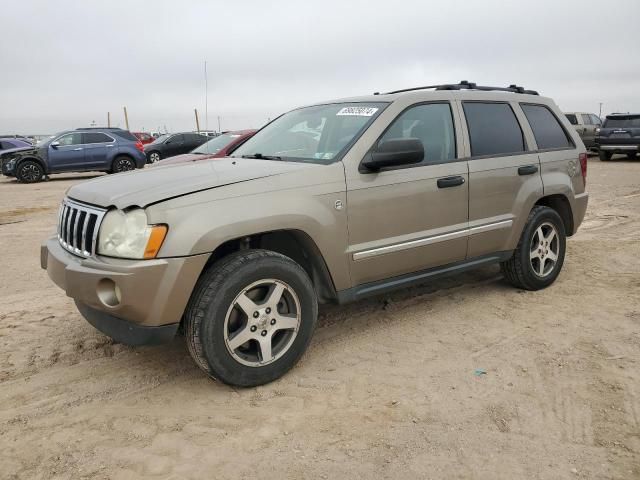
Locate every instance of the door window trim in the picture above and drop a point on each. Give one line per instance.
(364, 170)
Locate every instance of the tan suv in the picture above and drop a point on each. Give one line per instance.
(327, 203)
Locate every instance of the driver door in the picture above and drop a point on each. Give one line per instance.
(413, 217)
(67, 153)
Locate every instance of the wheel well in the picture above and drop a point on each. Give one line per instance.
(560, 204)
(294, 244)
(33, 159)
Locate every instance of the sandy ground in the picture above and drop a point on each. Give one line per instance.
(387, 389)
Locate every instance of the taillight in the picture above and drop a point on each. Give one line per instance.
(583, 167)
(140, 146)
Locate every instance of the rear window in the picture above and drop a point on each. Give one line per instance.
(546, 128)
(493, 128)
(127, 135)
(573, 120)
(631, 121)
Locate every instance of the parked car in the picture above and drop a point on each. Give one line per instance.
(218, 147)
(172, 144)
(144, 137)
(208, 133)
(620, 133)
(17, 137)
(400, 188)
(586, 125)
(82, 150)
(12, 144)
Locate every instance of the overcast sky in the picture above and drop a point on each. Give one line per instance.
(66, 63)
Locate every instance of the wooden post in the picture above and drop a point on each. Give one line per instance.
(197, 121)
(126, 117)
(108, 119)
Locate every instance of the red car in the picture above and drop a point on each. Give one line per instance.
(217, 147)
(144, 137)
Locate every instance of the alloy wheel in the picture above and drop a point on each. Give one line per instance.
(30, 173)
(262, 322)
(544, 250)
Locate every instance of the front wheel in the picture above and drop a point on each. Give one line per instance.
(251, 317)
(539, 256)
(29, 171)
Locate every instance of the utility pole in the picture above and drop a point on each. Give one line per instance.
(600, 113)
(197, 121)
(219, 129)
(109, 119)
(126, 117)
(206, 98)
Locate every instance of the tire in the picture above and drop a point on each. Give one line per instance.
(604, 155)
(524, 271)
(632, 155)
(122, 164)
(153, 157)
(214, 318)
(29, 171)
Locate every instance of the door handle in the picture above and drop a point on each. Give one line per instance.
(447, 182)
(528, 170)
(77, 149)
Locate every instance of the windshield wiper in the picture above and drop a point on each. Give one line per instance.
(260, 156)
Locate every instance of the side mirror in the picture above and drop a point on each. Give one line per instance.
(55, 144)
(395, 152)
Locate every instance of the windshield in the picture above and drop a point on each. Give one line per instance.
(216, 144)
(622, 122)
(317, 134)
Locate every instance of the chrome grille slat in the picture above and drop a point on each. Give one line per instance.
(78, 218)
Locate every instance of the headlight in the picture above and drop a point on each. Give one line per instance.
(127, 235)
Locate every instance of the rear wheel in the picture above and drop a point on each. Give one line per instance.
(539, 256)
(154, 157)
(604, 155)
(122, 164)
(251, 317)
(29, 171)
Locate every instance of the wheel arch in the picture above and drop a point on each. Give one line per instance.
(292, 243)
(560, 203)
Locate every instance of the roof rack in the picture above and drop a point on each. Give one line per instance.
(98, 128)
(465, 85)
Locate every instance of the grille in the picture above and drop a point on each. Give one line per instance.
(78, 226)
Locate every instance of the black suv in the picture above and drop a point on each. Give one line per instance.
(620, 133)
(172, 144)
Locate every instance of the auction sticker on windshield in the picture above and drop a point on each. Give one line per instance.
(358, 111)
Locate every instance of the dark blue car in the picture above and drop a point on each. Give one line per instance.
(83, 150)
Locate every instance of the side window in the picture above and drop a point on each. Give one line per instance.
(573, 120)
(179, 138)
(430, 123)
(96, 137)
(70, 139)
(596, 120)
(586, 119)
(493, 128)
(546, 128)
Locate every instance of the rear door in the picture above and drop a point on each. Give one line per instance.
(410, 218)
(504, 175)
(96, 147)
(67, 154)
(174, 145)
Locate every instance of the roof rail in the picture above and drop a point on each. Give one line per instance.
(98, 128)
(465, 85)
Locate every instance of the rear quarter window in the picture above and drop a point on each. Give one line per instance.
(573, 120)
(493, 129)
(125, 134)
(547, 130)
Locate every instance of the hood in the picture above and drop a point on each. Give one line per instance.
(185, 158)
(151, 185)
(4, 153)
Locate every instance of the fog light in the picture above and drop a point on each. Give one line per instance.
(108, 292)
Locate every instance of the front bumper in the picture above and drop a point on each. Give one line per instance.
(133, 301)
